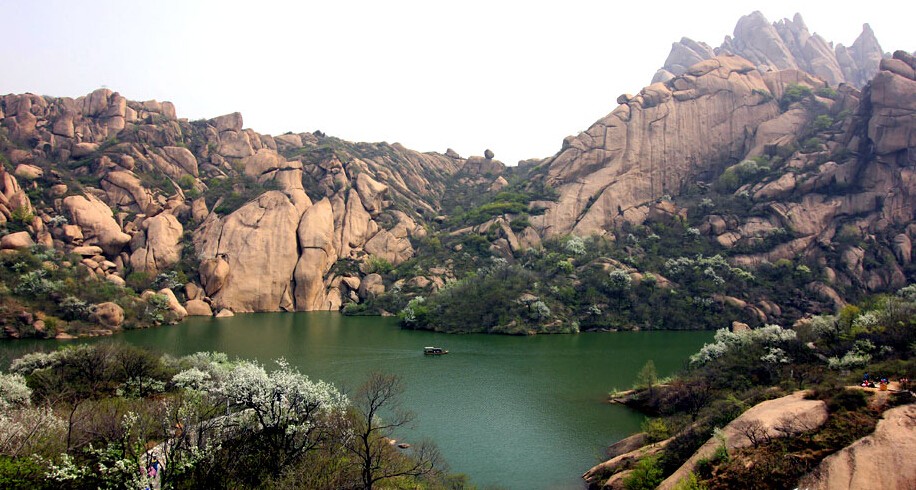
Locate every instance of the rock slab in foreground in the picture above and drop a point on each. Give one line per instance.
(882, 460)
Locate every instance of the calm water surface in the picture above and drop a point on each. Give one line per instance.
(518, 412)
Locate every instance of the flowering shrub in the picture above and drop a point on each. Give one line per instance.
(770, 336)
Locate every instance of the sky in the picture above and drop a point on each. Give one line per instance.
(514, 77)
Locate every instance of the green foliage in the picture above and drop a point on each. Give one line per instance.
(20, 219)
(690, 482)
(656, 429)
(826, 92)
(22, 473)
(647, 376)
(812, 144)
(764, 94)
(823, 122)
(235, 191)
(646, 475)
(186, 182)
(741, 173)
(378, 265)
(793, 93)
(519, 223)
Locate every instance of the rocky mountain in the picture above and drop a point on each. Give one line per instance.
(782, 45)
(750, 150)
(838, 166)
(130, 185)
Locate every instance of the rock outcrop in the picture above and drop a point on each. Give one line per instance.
(258, 242)
(781, 417)
(653, 144)
(880, 460)
(97, 223)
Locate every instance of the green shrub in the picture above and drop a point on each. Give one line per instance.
(823, 122)
(378, 265)
(691, 482)
(186, 182)
(646, 475)
(656, 429)
(826, 92)
(811, 145)
(848, 400)
(793, 93)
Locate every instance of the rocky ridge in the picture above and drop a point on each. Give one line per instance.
(135, 189)
(783, 45)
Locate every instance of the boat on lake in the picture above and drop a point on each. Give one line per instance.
(434, 351)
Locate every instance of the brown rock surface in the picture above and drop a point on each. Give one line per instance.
(97, 223)
(213, 274)
(162, 248)
(782, 45)
(880, 460)
(317, 255)
(108, 314)
(655, 144)
(258, 242)
(371, 285)
(196, 307)
(775, 418)
(19, 240)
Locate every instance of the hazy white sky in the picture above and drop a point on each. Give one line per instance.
(515, 77)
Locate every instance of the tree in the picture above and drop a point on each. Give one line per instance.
(369, 443)
(284, 414)
(647, 376)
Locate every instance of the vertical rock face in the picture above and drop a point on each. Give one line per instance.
(893, 124)
(653, 144)
(317, 255)
(258, 242)
(786, 44)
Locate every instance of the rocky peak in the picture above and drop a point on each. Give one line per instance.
(785, 44)
(860, 61)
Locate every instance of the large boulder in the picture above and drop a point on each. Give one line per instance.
(19, 240)
(125, 189)
(771, 419)
(162, 247)
(213, 274)
(183, 158)
(97, 222)
(107, 314)
(174, 304)
(196, 307)
(893, 124)
(371, 286)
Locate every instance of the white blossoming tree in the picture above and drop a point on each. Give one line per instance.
(283, 414)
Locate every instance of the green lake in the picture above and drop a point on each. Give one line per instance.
(518, 412)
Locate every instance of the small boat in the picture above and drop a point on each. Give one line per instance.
(434, 351)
